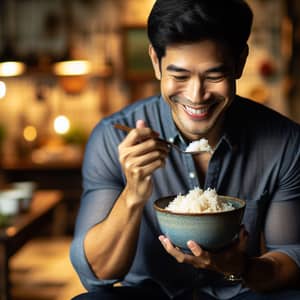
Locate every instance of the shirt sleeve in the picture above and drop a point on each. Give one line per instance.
(282, 230)
(102, 184)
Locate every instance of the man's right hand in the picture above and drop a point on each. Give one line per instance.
(140, 154)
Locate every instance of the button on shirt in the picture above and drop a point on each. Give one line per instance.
(256, 159)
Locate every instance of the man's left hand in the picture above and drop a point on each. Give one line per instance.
(231, 260)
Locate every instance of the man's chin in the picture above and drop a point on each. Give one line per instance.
(198, 127)
(196, 133)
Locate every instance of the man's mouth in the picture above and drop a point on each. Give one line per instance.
(196, 112)
(200, 112)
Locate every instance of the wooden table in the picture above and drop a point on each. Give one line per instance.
(63, 176)
(22, 228)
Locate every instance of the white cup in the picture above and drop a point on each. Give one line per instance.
(26, 189)
(10, 202)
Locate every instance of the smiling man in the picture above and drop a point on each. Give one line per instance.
(198, 82)
(198, 49)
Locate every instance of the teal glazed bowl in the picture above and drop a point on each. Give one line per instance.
(212, 230)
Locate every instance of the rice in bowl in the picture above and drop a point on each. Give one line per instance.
(199, 201)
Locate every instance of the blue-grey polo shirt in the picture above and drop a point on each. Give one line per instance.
(256, 159)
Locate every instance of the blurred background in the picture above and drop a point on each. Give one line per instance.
(77, 62)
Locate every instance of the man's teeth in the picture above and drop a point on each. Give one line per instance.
(194, 111)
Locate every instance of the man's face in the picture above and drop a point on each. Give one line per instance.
(198, 82)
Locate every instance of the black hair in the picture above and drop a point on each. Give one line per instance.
(186, 21)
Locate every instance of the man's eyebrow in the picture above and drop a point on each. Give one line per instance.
(175, 68)
(220, 68)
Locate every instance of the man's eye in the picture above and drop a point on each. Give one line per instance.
(215, 78)
(180, 78)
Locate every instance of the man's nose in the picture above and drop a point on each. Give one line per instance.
(196, 90)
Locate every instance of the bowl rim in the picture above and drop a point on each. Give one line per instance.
(163, 210)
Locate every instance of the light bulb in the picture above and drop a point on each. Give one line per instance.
(61, 124)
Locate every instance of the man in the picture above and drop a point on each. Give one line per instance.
(198, 49)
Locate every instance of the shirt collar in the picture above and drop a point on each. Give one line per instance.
(232, 126)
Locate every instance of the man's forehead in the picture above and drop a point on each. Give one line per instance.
(200, 48)
(180, 63)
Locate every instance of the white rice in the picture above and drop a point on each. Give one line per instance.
(199, 201)
(201, 145)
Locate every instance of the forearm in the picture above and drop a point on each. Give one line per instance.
(110, 245)
(272, 271)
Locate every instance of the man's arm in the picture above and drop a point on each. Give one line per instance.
(110, 245)
(271, 271)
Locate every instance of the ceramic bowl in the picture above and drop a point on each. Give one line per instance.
(213, 230)
(9, 202)
(26, 190)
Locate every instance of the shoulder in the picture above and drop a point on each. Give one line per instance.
(152, 110)
(262, 131)
(255, 116)
(141, 109)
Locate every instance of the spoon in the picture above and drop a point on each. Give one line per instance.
(170, 144)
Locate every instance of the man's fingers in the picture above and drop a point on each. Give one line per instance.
(200, 258)
(174, 251)
(140, 124)
(195, 248)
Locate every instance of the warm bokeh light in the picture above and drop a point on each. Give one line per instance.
(11, 230)
(2, 89)
(30, 133)
(61, 124)
(11, 68)
(72, 68)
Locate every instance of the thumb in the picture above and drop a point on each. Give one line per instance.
(140, 124)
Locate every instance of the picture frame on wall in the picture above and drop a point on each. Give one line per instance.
(136, 61)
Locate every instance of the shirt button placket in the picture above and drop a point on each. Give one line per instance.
(192, 172)
(193, 180)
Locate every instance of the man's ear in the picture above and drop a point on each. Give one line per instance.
(155, 62)
(241, 62)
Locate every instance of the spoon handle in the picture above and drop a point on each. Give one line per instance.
(123, 127)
